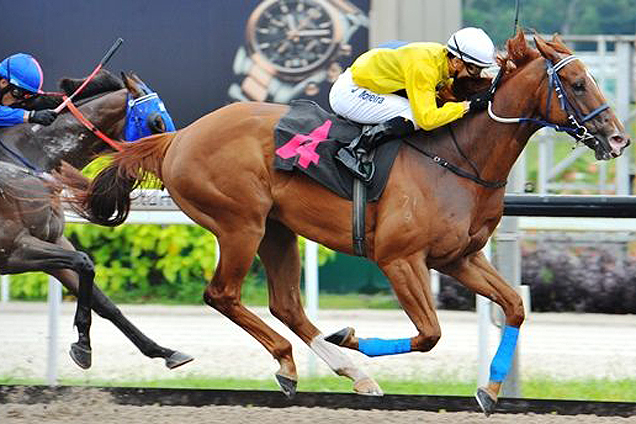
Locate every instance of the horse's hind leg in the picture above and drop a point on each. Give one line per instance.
(476, 273)
(105, 308)
(223, 293)
(409, 278)
(32, 254)
(279, 253)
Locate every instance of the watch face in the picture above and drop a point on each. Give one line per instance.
(294, 37)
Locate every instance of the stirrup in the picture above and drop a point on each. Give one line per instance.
(362, 171)
(347, 157)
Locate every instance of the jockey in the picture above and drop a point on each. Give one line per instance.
(20, 79)
(365, 92)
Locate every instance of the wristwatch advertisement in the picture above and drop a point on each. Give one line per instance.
(293, 46)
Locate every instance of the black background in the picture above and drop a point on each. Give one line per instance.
(183, 49)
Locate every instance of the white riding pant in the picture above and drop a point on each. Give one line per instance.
(364, 106)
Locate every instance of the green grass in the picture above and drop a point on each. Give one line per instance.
(539, 388)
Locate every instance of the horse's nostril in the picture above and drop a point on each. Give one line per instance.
(618, 140)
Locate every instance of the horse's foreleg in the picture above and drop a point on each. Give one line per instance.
(477, 274)
(105, 308)
(223, 293)
(32, 254)
(409, 278)
(279, 253)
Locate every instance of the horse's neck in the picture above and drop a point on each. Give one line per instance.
(493, 147)
(69, 140)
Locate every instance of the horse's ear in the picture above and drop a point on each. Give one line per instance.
(517, 48)
(545, 49)
(136, 78)
(131, 86)
(520, 37)
(556, 38)
(124, 78)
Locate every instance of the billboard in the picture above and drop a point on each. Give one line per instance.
(197, 54)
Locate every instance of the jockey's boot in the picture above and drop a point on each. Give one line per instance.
(370, 138)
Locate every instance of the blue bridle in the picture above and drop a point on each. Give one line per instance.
(139, 110)
(577, 129)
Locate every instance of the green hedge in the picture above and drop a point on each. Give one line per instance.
(165, 263)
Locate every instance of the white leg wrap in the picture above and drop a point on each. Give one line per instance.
(340, 363)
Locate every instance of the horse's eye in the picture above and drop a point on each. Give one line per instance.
(579, 87)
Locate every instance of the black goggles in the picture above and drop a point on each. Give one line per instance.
(20, 93)
(472, 69)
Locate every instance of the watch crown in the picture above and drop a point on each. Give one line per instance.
(345, 50)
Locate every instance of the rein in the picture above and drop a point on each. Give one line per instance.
(82, 119)
(577, 120)
(88, 124)
(455, 169)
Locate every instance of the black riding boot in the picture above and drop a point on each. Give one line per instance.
(370, 138)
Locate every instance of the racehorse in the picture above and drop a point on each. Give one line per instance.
(437, 211)
(31, 214)
(102, 102)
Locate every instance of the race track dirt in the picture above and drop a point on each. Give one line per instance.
(97, 407)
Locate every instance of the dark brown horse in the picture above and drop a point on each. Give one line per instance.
(219, 170)
(31, 214)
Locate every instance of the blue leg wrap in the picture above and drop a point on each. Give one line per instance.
(502, 361)
(381, 347)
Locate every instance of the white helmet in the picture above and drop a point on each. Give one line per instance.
(472, 45)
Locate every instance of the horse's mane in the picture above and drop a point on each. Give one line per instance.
(519, 53)
(103, 82)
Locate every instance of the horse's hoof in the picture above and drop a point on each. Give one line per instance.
(339, 338)
(177, 359)
(367, 387)
(486, 400)
(287, 385)
(81, 356)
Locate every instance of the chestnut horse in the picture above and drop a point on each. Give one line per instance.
(219, 170)
(31, 214)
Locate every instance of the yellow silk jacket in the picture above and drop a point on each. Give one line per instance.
(421, 69)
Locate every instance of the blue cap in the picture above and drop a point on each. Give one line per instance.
(22, 70)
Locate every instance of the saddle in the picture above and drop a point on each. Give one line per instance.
(307, 139)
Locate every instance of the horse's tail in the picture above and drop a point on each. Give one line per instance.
(106, 201)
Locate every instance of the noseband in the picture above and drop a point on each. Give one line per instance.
(577, 129)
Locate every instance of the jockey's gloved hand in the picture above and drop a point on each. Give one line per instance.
(42, 117)
(479, 101)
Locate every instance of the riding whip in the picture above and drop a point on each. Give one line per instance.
(99, 66)
(495, 82)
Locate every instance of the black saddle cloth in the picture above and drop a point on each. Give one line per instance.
(307, 139)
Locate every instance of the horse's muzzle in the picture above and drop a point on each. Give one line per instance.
(608, 147)
(618, 142)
